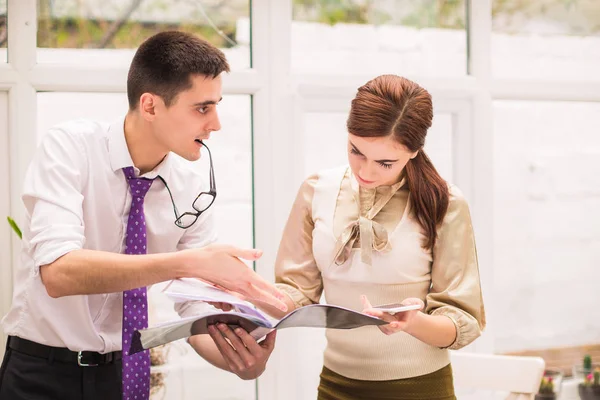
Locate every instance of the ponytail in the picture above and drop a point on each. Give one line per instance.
(429, 196)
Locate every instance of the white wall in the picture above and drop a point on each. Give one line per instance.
(547, 223)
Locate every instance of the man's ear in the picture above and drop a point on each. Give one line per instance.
(148, 103)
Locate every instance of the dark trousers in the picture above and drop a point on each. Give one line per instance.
(25, 377)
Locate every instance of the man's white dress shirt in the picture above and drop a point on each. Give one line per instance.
(76, 197)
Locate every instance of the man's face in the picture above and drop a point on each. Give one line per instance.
(190, 119)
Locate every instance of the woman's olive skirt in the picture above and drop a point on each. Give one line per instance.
(437, 385)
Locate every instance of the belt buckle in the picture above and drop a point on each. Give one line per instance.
(82, 364)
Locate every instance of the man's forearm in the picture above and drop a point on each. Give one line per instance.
(93, 272)
(83, 272)
(207, 349)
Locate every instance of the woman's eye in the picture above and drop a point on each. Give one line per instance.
(386, 165)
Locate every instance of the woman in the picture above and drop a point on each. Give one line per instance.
(387, 229)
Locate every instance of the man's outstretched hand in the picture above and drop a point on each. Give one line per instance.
(221, 266)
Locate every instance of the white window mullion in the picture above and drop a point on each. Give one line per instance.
(272, 117)
(22, 25)
(462, 140)
(480, 38)
(482, 174)
(509, 89)
(8, 77)
(347, 85)
(7, 237)
(90, 78)
(78, 78)
(22, 28)
(321, 93)
(274, 188)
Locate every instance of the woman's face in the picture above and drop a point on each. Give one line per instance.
(377, 161)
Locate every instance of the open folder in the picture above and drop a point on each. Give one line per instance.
(244, 315)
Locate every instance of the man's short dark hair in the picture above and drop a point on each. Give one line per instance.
(164, 63)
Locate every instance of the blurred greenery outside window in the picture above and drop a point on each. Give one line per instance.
(546, 17)
(449, 14)
(569, 17)
(125, 24)
(3, 30)
(546, 40)
(121, 24)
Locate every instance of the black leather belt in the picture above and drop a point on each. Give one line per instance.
(82, 358)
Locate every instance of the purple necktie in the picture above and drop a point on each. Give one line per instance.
(136, 367)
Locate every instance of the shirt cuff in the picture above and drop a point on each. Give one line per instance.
(467, 327)
(297, 297)
(192, 308)
(46, 255)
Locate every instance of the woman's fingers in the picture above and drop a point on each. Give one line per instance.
(380, 314)
(369, 310)
(365, 302)
(413, 300)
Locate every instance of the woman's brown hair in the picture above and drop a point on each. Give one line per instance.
(393, 105)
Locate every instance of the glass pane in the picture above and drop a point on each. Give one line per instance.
(186, 373)
(546, 230)
(408, 37)
(124, 25)
(325, 137)
(3, 31)
(546, 39)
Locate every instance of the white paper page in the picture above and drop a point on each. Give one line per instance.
(186, 289)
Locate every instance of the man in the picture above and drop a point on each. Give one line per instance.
(103, 223)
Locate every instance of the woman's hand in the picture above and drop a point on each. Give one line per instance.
(399, 322)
